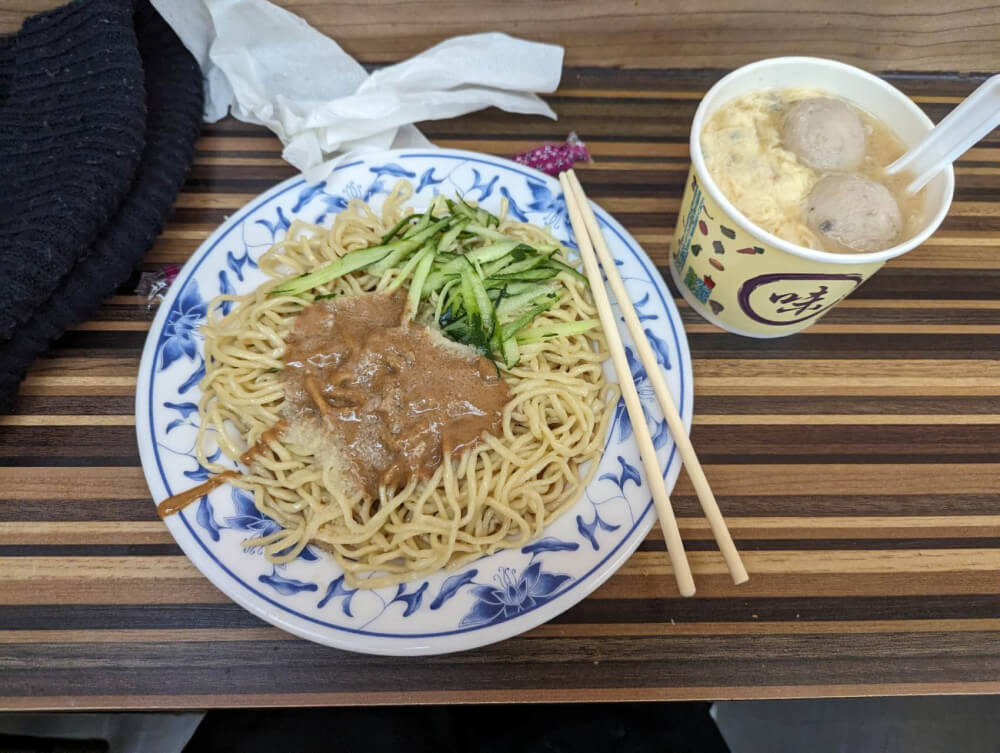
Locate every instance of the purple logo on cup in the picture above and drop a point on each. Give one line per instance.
(781, 299)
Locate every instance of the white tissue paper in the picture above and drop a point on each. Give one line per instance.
(268, 66)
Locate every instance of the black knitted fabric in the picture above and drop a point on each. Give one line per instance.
(97, 130)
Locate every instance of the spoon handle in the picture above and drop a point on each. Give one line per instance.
(975, 117)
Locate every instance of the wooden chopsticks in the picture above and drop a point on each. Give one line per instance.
(589, 237)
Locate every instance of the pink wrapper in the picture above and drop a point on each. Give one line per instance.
(552, 159)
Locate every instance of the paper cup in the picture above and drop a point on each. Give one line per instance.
(750, 282)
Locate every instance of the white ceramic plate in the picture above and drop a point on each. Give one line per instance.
(491, 599)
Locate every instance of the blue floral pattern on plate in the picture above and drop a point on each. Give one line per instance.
(498, 595)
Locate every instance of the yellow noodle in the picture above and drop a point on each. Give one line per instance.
(501, 493)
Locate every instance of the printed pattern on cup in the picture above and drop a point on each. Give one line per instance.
(691, 221)
(780, 300)
(700, 225)
(700, 286)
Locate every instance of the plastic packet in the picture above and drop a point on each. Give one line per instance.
(153, 286)
(552, 159)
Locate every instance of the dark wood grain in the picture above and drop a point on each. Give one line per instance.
(858, 464)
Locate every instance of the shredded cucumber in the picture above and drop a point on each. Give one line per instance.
(563, 329)
(511, 305)
(510, 352)
(427, 252)
(510, 329)
(482, 287)
(492, 252)
(450, 238)
(485, 232)
(419, 277)
(423, 222)
(396, 228)
(356, 260)
(338, 268)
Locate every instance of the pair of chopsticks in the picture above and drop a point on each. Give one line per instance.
(588, 236)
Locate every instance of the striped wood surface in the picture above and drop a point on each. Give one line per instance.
(858, 464)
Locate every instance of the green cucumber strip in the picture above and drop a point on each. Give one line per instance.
(455, 265)
(528, 261)
(510, 352)
(516, 288)
(513, 287)
(485, 232)
(512, 304)
(496, 294)
(491, 283)
(325, 296)
(411, 264)
(477, 303)
(454, 304)
(560, 267)
(450, 269)
(439, 308)
(419, 278)
(548, 249)
(462, 209)
(408, 245)
(424, 221)
(485, 305)
(437, 280)
(456, 262)
(562, 329)
(337, 268)
(492, 252)
(393, 259)
(431, 231)
(438, 202)
(450, 238)
(517, 255)
(443, 257)
(396, 228)
(468, 294)
(512, 328)
(479, 215)
(354, 261)
(539, 273)
(487, 218)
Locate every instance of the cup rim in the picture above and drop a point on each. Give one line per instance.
(748, 226)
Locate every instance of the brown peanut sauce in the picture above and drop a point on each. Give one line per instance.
(392, 396)
(178, 502)
(266, 438)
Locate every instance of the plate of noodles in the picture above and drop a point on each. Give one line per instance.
(377, 411)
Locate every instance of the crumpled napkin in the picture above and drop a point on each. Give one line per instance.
(268, 66)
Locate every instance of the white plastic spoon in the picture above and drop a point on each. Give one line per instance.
(975, 117)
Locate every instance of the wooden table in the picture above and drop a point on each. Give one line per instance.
(858, 463)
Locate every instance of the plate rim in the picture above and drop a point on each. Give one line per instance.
(367, 641)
